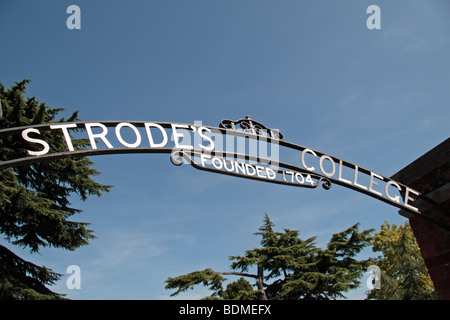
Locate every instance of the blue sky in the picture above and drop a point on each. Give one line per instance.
(376, 98)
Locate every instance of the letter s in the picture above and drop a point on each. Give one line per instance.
(32, 140)
(211, 142)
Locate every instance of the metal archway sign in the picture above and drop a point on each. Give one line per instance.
(243, 148)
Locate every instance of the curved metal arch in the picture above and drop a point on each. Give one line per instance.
(223, 130)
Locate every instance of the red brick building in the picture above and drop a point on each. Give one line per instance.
(430, 175)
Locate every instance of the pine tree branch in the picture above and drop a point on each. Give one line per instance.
(243, 274)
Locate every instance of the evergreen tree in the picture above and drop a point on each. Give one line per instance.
(239, 290)
(296, 268)
(404, 275)
(35, 210)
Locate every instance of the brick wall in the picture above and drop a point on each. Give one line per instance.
(430, 175)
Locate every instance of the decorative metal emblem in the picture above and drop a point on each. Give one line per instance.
(251, 126)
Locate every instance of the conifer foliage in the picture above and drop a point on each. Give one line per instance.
(404, 275)
(287, 268)
(35, 210)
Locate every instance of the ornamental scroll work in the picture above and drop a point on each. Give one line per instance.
(251, 126)
(243, 148)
